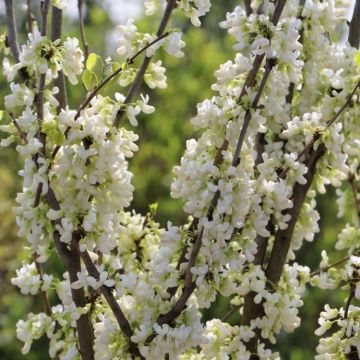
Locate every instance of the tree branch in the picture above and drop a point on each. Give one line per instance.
(330, 266)
(328, 123)
(114, 305)
(94, 92)
(189, 285)
(11, 26)
(56, 29)
(248, 8)
(354, 28)
(70, 258)
(29, 16)
(12, 37)
(135, 86)
(82, 28)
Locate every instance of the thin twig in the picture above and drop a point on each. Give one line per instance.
(82, 29)
(236, 158)
(129, 61)
(330, 266)
(44, 295)
(29, 16)
(96, 90)
(18, 128)
(349, 300)
(135, 86)
(230, 312)
(328, 123)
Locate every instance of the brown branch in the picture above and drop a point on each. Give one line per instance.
(18, 128)
(29, 16)
(236, 158)
(129, 61)
(328, 123)
(82, 28)
(135, 86)
(355, 192)
(12, 37)
(94, 92)
(354, 28)
(12, 32)
(189, 285)
(281, 247)
(248, 8)
(56, 29)
(70, 258)
(114, 305)
(349, 299)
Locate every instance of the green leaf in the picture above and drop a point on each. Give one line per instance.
(357, 58)
(98, 69)
(91, 61)
(89, 79)
(95, 65)
(1, 114)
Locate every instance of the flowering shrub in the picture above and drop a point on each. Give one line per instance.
(281, 126)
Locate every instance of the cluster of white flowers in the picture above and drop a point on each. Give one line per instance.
(235, 205)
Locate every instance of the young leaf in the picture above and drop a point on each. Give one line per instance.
(89, 79)
(91, 61)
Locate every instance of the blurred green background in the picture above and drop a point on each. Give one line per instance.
(161, 143)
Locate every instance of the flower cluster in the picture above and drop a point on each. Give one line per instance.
(269, 143)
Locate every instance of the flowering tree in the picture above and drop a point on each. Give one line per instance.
(281, 127)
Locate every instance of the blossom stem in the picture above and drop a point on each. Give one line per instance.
(330, 266)
(44, 296)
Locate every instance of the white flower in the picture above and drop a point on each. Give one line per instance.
(54, 215)
(127, 34)
(73, 59)
(21, 96)
(174, 44)
(10, 70)
(27, 279)
(155, 76)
